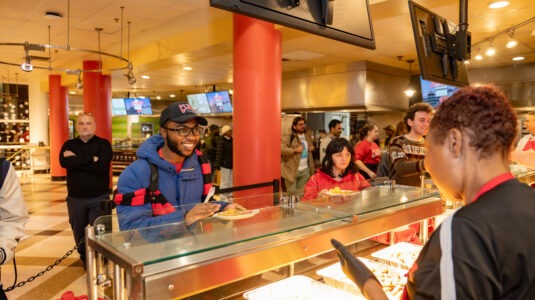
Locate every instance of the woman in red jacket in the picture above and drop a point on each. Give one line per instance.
(367, 152)
(338, 170)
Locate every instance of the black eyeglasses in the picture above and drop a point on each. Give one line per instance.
(185, 131)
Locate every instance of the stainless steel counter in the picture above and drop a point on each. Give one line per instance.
(179, 260)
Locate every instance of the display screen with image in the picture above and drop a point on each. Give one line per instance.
(138, 106)
(219, 102)
(435, 93)
(199, 102)
(117, 107)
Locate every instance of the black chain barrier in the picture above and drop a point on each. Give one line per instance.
(32, 278)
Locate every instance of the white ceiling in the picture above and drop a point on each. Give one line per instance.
(168, 34)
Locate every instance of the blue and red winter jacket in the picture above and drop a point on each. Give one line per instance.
(182, 190)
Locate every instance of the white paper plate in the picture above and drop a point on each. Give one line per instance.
(247, 214)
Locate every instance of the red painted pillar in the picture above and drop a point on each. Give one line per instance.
(59, 125)
(91, 85)
(257, 106)
(97, 99)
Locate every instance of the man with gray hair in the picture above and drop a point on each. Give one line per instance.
(87, 159)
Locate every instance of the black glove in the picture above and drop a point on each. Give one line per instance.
(352, 267)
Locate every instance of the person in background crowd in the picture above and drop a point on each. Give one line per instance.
(335, 130)
(338, 169)
(485, 249)
(317, 143)
(401, 129)
(210, 143)
(297, 164)
(367, 152)
(527, 142)
(407, 152)
(87, 159)
(389, 131)
(223, 160)
(13, 214)
(184, 175)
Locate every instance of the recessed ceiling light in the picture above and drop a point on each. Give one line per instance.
(172, 96)
(490, 51)
(466, 62)
(498, 4)
(519, 58)
(479, 57)
(158, 97)
(145, 76)
(72, 93)
(187, 68)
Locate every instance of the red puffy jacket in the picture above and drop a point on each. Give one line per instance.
(321, 180)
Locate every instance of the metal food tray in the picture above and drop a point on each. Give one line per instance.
(298, 287)
(335, 277)
(388, 255)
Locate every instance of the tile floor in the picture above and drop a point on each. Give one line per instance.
(48, 237)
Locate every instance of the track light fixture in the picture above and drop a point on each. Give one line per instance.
(79, 84)
(130, 75)
(511, 43)
(27, 65)
(490, 51)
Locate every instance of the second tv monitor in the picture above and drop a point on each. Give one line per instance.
(138, 106)
(219, 102)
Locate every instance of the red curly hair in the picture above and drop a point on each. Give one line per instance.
(484, 113)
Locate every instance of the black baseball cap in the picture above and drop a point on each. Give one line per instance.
(180, 112)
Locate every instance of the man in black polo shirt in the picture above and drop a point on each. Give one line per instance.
(87, 159)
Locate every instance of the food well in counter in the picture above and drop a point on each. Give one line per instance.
(392, 279)
(400, 255)
(298, 287)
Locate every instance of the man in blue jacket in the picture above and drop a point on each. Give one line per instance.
(184, 175)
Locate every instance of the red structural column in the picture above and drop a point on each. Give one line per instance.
(257, 106)
(97, 99)
(91, 85)
(59, 124)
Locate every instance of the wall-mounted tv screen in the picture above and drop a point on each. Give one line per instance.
(138, 106)
(435, 93)
(117, 107)
(348, 21)
(199, 102)
(440, 46)
(219, 102)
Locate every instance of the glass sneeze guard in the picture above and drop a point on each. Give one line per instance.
(164, 242)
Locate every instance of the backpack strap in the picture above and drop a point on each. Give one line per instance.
(150, 194)
(154, 177)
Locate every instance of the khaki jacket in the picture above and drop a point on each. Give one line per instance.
(289, 159)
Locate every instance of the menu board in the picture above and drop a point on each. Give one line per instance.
(199, 102)
(138, 106)
(117, 107)
(219, 102)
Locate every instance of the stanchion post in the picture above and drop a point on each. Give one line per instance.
(90, 264)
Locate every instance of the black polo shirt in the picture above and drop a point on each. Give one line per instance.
(493, 246)
(85, 177)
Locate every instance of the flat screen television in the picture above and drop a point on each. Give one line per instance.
(441, 47)
(347, 21)
(219, 102)
(199, 102)
(117, 107)
(138, 106)
(435, 93)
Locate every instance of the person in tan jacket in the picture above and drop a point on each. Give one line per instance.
(297, 163)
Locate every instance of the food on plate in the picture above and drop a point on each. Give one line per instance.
(234, 212)
(339, 191)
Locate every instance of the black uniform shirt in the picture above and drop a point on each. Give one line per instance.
(493, 246)
(85, 177)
